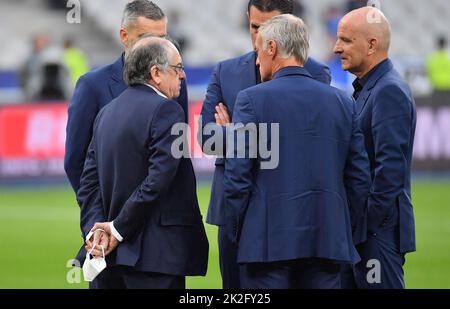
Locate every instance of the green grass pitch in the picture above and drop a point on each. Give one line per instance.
(39, 234)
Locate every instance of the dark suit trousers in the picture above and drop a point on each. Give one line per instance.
(229, 268)
(124, 277)
(381, 248)
(310, 273)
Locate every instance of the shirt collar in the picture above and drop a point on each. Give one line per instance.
(157, 91)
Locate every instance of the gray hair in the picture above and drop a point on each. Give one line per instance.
(141, 8)
(142, 57)
(290, 34)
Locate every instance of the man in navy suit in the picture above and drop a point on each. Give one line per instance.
(387, 117)
(98, 87)
(134, 188)
(230, 77)
(292, 221)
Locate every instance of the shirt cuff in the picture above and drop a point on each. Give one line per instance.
(114, 232)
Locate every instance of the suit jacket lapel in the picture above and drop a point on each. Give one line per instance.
(379, 72)
(117, 84)
(362, 99)
(245, 77)
(248, 71)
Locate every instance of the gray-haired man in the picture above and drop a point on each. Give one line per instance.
(97, 88)
(292, 223)
(132, 186)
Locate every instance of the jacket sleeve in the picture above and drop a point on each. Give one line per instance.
(162, 168)
(238, 176)
(208, 121)
(391, 129)
(83, 109)
(89, 195)
(357, 182)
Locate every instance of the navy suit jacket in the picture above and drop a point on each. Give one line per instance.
(387, 117)
(302, 207)
(228, 79)
(131, 177)
(93, 91)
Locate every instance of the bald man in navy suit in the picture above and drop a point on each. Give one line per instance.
(387, 117)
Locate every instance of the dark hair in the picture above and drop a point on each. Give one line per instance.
(284, 6)
(442, 42)
(141, 8)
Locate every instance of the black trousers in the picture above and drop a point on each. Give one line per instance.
(229, 268)
(124, 277)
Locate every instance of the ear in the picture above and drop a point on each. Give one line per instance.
(124, 37)
(373, 46)
(272, 48)
(155, 73)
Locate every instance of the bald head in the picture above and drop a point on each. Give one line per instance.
(370, 23)
(363, 40)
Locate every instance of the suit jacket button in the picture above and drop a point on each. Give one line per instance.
(374, 234)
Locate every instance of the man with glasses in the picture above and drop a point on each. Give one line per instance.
(98, 87)
(134, 188)
(179, 68)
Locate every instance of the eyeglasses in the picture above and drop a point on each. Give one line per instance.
(177, 68)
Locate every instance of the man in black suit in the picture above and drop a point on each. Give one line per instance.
(134, 188)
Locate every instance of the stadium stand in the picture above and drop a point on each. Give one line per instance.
(214, 30)
(213, 23)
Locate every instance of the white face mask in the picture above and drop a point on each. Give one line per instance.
(93, 267)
